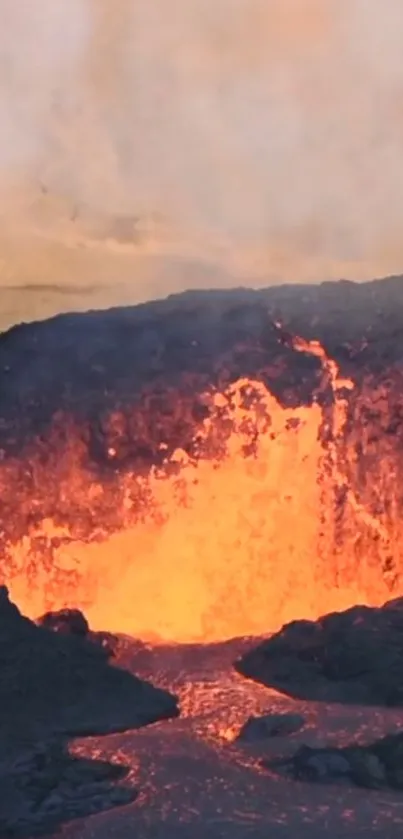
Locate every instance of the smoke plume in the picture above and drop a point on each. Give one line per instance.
(150, 146)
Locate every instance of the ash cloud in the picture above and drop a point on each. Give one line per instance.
(151, 146)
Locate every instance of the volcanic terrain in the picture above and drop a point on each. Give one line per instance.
(187, 472)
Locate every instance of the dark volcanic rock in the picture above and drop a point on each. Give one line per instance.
(67, 621)
(45, 787)
(352, 656)
(376, 766)
(73, 622)
(55, 685)
(270, 725)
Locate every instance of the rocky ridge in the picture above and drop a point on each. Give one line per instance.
(54, 686)
(351, 656)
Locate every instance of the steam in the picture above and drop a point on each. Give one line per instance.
(262, 139)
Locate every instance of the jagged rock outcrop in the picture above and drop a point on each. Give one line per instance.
(53, 686)
(55, 683)
(73, 622)
(378, 765)
(66, 621)
(351, 656)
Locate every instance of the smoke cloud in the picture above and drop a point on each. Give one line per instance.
(151, 146)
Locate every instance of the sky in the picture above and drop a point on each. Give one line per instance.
(147, 146)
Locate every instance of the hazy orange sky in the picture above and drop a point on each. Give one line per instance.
(148, 146)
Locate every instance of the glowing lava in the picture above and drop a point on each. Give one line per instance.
(237, 543)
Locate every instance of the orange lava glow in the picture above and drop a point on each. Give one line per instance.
(237, 543)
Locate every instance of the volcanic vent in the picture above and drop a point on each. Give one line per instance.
(208, 466)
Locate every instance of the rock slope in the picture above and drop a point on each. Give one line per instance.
(54, 686)
(351, 656)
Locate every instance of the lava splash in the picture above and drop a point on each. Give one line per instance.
(257, 522)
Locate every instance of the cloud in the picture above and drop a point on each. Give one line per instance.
(267, 135)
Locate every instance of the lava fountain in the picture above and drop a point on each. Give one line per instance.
(257, 526)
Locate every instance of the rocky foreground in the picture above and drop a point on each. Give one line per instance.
(53, 686)
(224, 767)
(232, 739)
(352, 656)
(378, 765)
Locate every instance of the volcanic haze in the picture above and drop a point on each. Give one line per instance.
(149, 147)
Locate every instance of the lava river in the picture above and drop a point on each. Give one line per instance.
(195, 782)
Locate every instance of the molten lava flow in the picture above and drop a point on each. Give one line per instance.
(236, 543)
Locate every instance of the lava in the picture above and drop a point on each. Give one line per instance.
(234, 536)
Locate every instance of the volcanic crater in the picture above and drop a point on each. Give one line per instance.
(192, 475)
